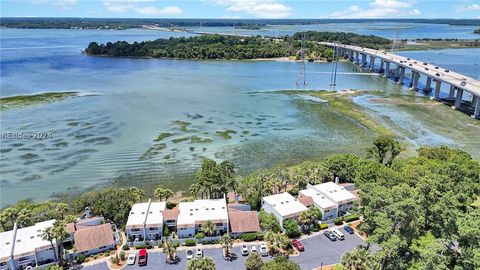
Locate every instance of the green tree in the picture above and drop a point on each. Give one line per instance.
(24, 218)
(170, 251)
(49, 235)
(385, 149)
(268, 222)
(208, 227)
(159, 192)
(280, 263)
(202, 263)
(60, 231)
(195, 189)
(359, 259)
(343, 166)
(167, 194)
(254, 262)
(227, 242)
(11, 214)
(275, 242)
(291, 228)
(430, 253)
(61, 209)
(138, 194)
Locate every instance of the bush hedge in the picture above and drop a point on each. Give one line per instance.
(323, 226)
(338, 221)
(351, 217)
(190, 242)
(260, 235)
(81, 258)
(122, 255)
(126, 247)
(248, 237)
(199, 235)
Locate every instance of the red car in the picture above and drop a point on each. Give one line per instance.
(142, 257)
(298, 245)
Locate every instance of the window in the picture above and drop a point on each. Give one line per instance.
(219, 224)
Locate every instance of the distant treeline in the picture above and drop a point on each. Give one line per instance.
(477, 31)
(124, 23)
(231, 47)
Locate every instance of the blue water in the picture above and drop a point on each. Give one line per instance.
(126, 103)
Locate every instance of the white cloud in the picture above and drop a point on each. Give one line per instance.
(59, 3)
(379, 9)
(168, 10)
(269, 9)
(471, 7)
(121, 6)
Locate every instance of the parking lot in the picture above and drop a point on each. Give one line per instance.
(318, 249)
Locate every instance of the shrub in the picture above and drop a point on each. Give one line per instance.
(87, 259)
(351, 217)
(248, 237)
(170, 205)
(316, 227)
(260, 235)
(140, 246)
(338, 221)
(323, 226)
(126, 247)
(81, 258)
(199, 235)
(95, 256)
(166, 232)
(190, 242)
(106, 253)
(122, 255)
(114, 260)
(291, 228)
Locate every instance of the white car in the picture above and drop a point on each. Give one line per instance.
(199, 253)
(131, 258)
(189, 254)
(253, 249)
(244, 250)
(263, 250)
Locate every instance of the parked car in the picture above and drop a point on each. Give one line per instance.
(142, 257)
(426, 69)
(298, 245)
(263, 250)
(436, 67)
(189, 254)
(348, 229)
(131, 258)
(463, 83)
(253, 249)
(408, 58)
(330, 235)
(244, 250)
(199, 252)
(340, 236)
(425, 64)
(410, 64)
(438, 74)
(446, 70)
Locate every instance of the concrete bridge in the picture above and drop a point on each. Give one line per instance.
(392, 65)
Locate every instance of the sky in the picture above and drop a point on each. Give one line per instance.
(242, 9)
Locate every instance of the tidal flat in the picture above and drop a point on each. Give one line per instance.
(20, 101)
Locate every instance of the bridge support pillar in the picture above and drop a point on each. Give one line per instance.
(350, 55)
(476, 110)
(428, 86)
(436, 94)
(387, 69)
(401, 76)
(364, 60)
(382, 66)
(357, 57)
(414, 81)
(451, 94)
(458, 99)
(372, 63)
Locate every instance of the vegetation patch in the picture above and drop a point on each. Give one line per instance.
(226, 133)
(182, 124)
(153, 151)
(27, 100)
(162, 136)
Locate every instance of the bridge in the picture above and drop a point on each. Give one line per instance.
(393, 65)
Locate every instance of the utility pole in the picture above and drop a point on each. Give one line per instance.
(301, 79)
(333, 75)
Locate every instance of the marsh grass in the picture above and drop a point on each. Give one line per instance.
(27, 100)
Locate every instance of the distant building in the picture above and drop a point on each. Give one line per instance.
(145, 221)
(284, 206)
(242, 221)
(193, 214)
(332, 199)
(23, 247)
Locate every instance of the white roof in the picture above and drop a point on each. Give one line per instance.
(334, 192)
(149, 213)
(155, 213)
(319, 199)
(200, 210)
(27, 240)
(285, 204)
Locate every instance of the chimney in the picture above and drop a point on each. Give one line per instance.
(337, 180)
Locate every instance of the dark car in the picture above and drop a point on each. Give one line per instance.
(330, 235)
(348, 229)
(410, 64)
(298, 245)
(446, 70)
(463, 83)
(142, 257)
(426, 69)
(436, 67)
(408, 58)
(438, 74)
(425, 64)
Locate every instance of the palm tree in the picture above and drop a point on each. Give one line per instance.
(305, 219)
(232, 185)
(203, 263)
(159, 192)
(275, 241)
(24, 217)
(195, 189)
(3, 220)
(170, 250)
(208, 228)
(60, 232)
(61, 208)
(227, 243)
(137, 193)
(49, 235)
(167, 193)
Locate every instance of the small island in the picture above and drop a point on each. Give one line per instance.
(215, 46)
